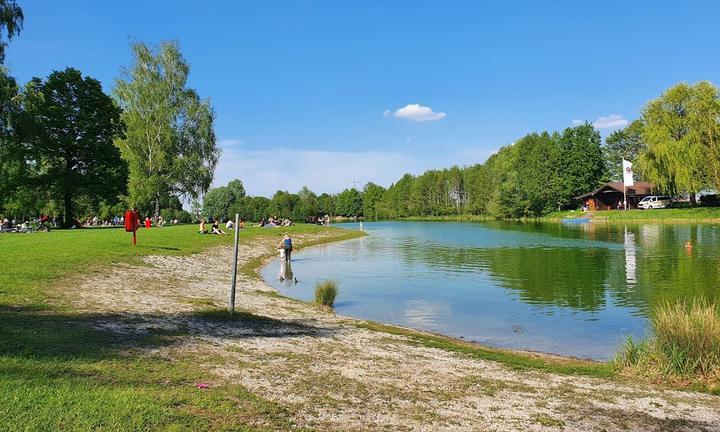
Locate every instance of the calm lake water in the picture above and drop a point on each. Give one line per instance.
(569, 289)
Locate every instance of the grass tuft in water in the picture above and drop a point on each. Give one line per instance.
(325, 293)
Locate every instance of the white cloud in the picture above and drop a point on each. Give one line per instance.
(229, 142)
(613, 121)
(416, 112)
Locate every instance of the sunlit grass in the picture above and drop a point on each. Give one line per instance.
(58, 371)
(685, 344)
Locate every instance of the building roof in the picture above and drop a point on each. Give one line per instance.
(639, 188)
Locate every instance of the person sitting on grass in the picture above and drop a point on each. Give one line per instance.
(6, 225)
(202, 229)
(216, 228)
(241, 224)
(229, 224)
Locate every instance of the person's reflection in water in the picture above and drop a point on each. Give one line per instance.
(286, 273)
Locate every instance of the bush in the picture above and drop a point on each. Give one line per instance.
(686, 342)
(325, 293)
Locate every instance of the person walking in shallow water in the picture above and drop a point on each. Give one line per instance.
(286, 245)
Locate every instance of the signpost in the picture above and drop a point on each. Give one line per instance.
(231, 307)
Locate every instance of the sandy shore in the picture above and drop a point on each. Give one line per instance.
(333, 375)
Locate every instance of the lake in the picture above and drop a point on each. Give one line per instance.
(571, 289)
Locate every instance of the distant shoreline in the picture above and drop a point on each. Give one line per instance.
(681, 215)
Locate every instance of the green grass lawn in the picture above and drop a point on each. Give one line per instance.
(57, 372)
(697, 214)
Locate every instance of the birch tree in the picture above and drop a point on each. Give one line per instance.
(170, 140)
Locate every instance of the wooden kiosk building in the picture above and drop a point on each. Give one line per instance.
(610, 196)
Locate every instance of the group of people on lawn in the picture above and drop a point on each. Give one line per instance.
(285, 246)
(215, 224)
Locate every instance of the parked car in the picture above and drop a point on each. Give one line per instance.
(654, 202)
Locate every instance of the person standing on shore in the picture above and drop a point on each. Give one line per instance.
(286, 245)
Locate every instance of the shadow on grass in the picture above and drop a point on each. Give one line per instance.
(37, 334)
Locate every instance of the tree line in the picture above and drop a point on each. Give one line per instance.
(675, 144)
(69, 149)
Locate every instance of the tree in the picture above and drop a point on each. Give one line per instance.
(326, 204)
(349, 203)
(11, 23)
(307, 204)
(536, 164)
(71, 139)
(372, 196)
(282, 204)
(170, 141)
(217, 202)
(581, 161)
(237, 188)
(628, 144)
(223, 202)
(13, 166)
(683, 139)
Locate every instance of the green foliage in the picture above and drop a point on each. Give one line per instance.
(349, 203)
(325, 293)
(372, 197)
(11, 23)
(217, 202)
(251, 208)
(307, 204)
(581, 161)
(72, 126)
(282, 204)
(682, 132)
(170, 141)
(531, 184)
(326, 204)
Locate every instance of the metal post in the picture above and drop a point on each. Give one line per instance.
(234, 266)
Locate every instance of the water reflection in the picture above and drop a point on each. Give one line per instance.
(423, 313)
(286, 274)
(575, 289)
(630, 258)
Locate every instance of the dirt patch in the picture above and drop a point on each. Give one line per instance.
(335, 376)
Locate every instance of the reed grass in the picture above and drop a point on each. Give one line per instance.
(325, 293)
(685, 342)
(688, 337)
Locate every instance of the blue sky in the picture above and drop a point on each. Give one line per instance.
(319, 93)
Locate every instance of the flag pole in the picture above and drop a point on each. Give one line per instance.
(625, 195)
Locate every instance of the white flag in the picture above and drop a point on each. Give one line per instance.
(627, 173)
